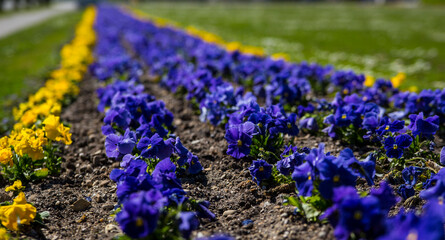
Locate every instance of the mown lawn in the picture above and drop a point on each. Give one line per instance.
(375, 40)
(27, 56)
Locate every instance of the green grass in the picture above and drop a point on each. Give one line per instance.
(27, 56)
(375, 40)
(433, 2)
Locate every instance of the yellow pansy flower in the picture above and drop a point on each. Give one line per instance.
(4, 142)
(398, 79)
(233, 46)
(51, 127)
(280, 55)
(56, 109)
(29, 118)
(4, 234)
(18, 127)
(6, 156)
(257, 51)
(369, 80)
(17, 186)
(413, 89)
(20, 212)
(30, 142)
(56, 131)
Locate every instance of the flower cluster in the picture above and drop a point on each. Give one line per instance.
(410, 176)
(75, 57)
(320, 172)
(28, 152)
(361, 216)
(138, 130)
(263, 103)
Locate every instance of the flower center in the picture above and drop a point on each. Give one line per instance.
(365, 99)
(412, 236)
(343, 116)
(149, 146)
(139, 110)
(394, 146)
(309, 177)
(139, 222)
(336, 178)
(260, 124)
(345, 91)
(152, 129)
(239, 143)
(289, 125)
(433, 183)
(387, 127)
(261, 169)
(358, 215)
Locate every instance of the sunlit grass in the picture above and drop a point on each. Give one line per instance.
(380, 41)
(26, 56)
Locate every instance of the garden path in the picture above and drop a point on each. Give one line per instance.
(15, 22)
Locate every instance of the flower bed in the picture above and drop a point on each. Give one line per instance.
(262, 118)
(30, 151)
(226, 87)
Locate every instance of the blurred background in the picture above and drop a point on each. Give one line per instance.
(376, 37)
(11, 5)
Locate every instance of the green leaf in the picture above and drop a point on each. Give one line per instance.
(293, 201)
(41, 173)
(310, 212)
(44, 214)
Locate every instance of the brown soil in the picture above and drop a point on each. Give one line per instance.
(226, 183)
(84, 176)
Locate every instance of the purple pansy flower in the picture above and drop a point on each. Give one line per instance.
(386, 196)
(410, 174)
(287, 165)
(387, 126)
(309, 123)
(425, 128)
(117, 146)
(352, 214)
(188, 221)
(139, 215)
(260, 170)
(406, 191)
(394, 147)
(239, 138)
(155, 147)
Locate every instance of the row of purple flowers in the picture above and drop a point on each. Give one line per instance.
(198, 69)
(139, 133)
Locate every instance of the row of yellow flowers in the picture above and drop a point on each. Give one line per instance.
(36, 119)
(397, 80)
(204, 35)
(28, 150)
